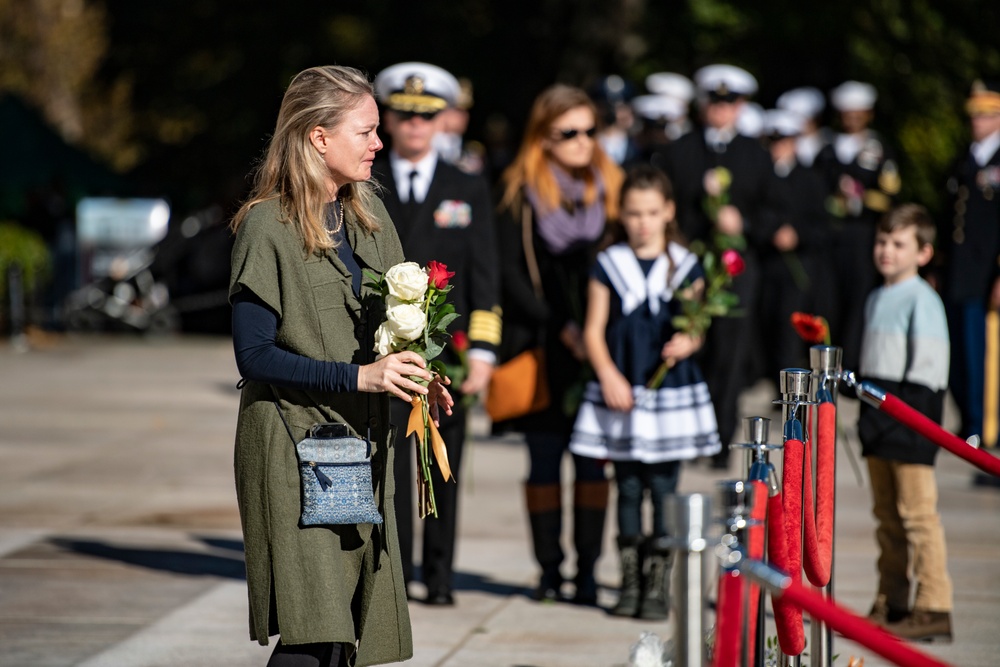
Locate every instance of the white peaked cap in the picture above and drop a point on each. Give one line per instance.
(807, 102)
(750, 122)
(853, 96)
(671, 85)
(783, 122)
(659, 107)
(415, 86)
(729, 78)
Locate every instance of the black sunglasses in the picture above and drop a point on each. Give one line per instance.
(566, 135)
(426, 115)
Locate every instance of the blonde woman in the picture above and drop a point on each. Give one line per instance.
(303, 333)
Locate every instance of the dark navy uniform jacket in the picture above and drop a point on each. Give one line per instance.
(454, 225)
(970, 235)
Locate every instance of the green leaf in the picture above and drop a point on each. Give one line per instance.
(443, 322)
(433, 349)
(716, 309)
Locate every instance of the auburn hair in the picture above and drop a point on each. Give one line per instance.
(531, 164)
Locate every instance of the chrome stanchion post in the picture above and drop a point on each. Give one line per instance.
(688, 520)
(826, 363)
(734, 499)
(794, 385)
(756, 431)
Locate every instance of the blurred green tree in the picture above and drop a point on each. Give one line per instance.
(187, 92)
(50, 53)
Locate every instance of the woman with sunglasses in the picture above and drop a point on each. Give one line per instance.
(558, 194)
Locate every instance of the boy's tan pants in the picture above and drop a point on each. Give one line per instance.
(909, 532)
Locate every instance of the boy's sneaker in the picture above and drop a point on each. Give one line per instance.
(882, 613)
(923, 625)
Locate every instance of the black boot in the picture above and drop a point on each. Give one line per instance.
(545, 516)
(631, 589)
(656, 593)
(590, 505)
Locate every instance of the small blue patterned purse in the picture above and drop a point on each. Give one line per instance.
(336, 472)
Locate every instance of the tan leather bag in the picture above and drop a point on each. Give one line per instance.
(519, 386)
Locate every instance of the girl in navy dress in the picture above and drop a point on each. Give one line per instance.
(628, 333)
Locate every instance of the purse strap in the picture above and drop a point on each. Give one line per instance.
(528, 242)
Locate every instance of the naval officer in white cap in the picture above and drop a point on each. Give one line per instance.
(795, 264)
(657, 114)
(864, 180)
(808, 103)
(676, 87)
(694, 162)
(441, 214)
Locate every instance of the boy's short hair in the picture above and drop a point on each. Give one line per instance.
(910, 215)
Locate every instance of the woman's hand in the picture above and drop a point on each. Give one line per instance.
(679, 347)
(392, 373)
(617, 390)
(572, 337)
(439, 398)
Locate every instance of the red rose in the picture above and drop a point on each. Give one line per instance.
(438, 274)
(733, 262)
(811, 328)
(460, 341)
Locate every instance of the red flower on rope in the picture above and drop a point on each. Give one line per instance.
(811, 328)
(438, 274)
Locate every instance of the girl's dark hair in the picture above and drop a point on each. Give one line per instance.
(648, 177)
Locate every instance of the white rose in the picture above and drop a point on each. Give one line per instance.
(406, 321)
(407, 281)
(383, 340)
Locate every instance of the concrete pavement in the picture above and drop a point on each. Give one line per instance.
(120, 542)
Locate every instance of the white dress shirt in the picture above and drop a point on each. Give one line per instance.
(401, 169)
(983, 150)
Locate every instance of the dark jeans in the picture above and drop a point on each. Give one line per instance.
(967, 326)
(545, 455)
(633, 478)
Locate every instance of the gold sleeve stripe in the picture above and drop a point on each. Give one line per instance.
(991, 389)
(485, 326)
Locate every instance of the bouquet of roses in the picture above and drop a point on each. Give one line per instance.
(417, 319)
(698, 307)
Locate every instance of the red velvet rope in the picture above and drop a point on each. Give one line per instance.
(729, 619)
(856, 629)
(926, 427)
(755, 551)
(819, 524)
(785, 547)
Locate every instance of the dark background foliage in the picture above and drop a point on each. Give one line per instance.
(179, 97)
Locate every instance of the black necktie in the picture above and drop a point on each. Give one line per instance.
(411, 203)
